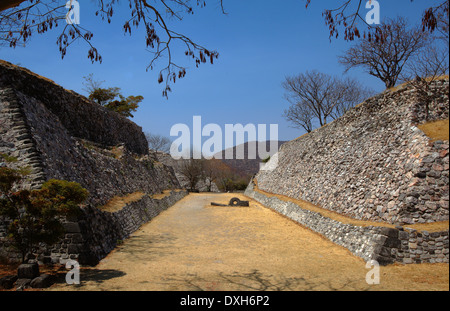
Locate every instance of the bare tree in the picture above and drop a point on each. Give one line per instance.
(385, 59)
(311, 90)
(300, 116)
(429, 65)
(91, 85)
(433, 61)
(349, 92)
(316, 96)
(192, 170)
(437, 19)
(211, 171)
(20, 19)
(158, 142)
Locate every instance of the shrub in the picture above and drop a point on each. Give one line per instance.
(35, 216)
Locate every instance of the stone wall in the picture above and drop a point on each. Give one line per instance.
(98, 232)
(381, 243)
(373, 163)
(91, 236)
(16, 141)
(78, 115)
(57, 134)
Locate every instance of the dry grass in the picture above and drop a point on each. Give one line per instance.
(430, 227)
(429, 79)
(117, 152)
(193, 246)
(436, 130)
(117, 203)
(10, 65)
(159, 196)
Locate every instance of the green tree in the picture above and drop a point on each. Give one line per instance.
(111, 98)
(35, 216)
(158, 143)
(124, 106)
(104, 96)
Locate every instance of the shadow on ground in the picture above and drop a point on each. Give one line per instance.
(91, 275)
(145, 248)
(257, 281)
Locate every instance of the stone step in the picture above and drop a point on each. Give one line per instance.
(27, 151)
(12, 110)
(36, 170)
(19, 123)
(22, 136)
(32, 158)
(25, 145)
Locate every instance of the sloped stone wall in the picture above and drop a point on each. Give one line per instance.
(104, 172)
(97, 232)
(16, 140)
(57, 134)
(373, 163)
(384, 244)
(78, 115)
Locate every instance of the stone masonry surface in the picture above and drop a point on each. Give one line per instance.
(373, 163)
(383, 244)
(57, 134)
(81, 117)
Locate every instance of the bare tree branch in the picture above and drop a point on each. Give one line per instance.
(19, 23)
(315, 96)
(386, 59)
(158, 142)
(346, 16)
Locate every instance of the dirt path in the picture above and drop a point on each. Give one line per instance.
(195, 246)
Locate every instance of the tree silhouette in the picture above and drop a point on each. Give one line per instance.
(316, 96)
(346, 15)
(20, 19)
(385, 59)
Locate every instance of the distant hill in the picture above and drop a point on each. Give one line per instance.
(245, 167)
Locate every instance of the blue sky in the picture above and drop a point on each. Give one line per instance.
(260, 42)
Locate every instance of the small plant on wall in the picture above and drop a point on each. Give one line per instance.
(35, 216)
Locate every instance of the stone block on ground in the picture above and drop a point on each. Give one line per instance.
(28, 271)
(8, 281)
(43, 281)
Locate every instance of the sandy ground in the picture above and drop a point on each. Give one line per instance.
(195, 246)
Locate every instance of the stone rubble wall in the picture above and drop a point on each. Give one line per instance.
(16, 140)
(49, 151)
(384, 244)
(81, 117)
(95, 233)
(373, 163)
(57, 134)
(98, 232)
